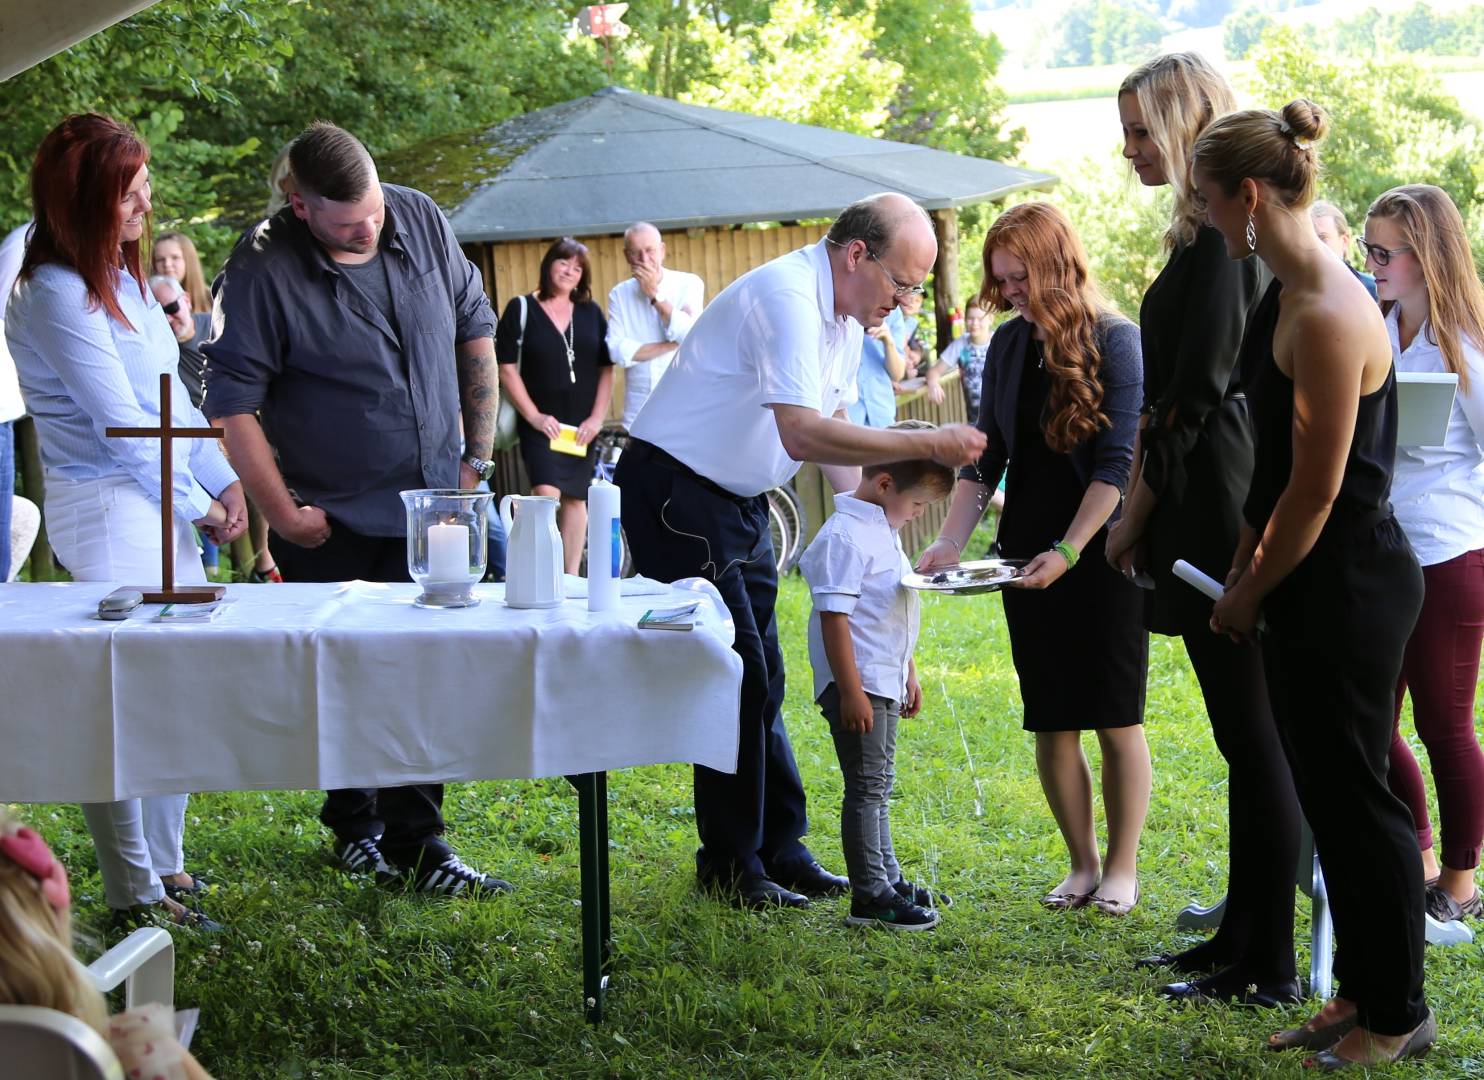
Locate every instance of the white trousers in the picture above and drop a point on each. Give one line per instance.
(109, 530)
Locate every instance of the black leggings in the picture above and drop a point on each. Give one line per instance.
(1256, 934)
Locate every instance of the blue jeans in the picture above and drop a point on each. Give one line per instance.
(7, 490)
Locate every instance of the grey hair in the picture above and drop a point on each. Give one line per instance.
(872, 222)
(640, 226)
(1324, 209)
(166, 279)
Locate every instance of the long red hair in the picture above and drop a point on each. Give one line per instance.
(1066, 304)
(82, 172)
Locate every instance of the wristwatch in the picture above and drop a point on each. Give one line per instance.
(482, 468)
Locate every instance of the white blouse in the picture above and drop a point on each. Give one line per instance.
(1437, 492)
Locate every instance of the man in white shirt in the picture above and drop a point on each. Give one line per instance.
(758, 385)
(649, 315)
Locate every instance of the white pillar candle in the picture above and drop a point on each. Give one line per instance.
(448, 553)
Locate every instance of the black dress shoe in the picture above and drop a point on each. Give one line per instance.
(751, 892)
(811, 879)
(1222, 988)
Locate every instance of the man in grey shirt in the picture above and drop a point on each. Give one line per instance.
(353, 325)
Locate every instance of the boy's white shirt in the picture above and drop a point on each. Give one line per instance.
(855, 566)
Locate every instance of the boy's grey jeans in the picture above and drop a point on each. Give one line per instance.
(868, 764)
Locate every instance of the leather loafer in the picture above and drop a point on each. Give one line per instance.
(1263, 996)
(814, 880)
(752, 893)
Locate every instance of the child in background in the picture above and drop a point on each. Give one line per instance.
(37, 965)
(861, 635)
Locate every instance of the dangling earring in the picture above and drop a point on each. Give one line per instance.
(1251, 232)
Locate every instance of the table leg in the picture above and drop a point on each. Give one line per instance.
(592, 818)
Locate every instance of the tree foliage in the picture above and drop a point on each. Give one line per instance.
(1105, 32)
(1391, 123)
(217, 87)
(1418, 29)
(1242, 30)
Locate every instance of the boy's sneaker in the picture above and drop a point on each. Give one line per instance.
(362, 856)
(891, 910)
(921, 895)
(450, 877)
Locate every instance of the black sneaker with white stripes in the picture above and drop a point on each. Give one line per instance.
(362, 856)
(451, 877)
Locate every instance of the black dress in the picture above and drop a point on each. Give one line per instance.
(1336, 629)
(566, 394)
(1198, 441)
(1079, 646)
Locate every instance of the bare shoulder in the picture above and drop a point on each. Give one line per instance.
(1335, 325)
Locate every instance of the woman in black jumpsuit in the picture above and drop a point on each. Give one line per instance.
(1325, 565)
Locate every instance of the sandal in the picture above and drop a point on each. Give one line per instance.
(1416, 1044)
(1311, 1038)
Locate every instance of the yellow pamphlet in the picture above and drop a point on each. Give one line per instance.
(566, 442)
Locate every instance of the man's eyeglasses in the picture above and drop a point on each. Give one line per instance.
(172, 307)
(1377, 254)
(898, 290)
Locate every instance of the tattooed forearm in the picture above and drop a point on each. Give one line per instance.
(479, 395)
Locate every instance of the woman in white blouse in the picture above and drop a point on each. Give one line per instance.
(1416, 246)
(90, 343)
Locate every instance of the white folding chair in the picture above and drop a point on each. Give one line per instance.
(37, 1042)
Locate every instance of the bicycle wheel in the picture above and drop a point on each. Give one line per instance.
(798, 524)
(787, 535)
(782, 538)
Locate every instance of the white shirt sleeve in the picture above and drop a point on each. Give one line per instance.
(79, 347)
(1473, 400)
(780, 343)
(683, 314)
(835, 568)
(950, 356)
(622, 345)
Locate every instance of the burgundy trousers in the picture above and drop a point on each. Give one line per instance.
(1441, 670)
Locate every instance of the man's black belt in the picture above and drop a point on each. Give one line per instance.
(645, 451)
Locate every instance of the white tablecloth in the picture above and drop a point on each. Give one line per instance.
(301, 686)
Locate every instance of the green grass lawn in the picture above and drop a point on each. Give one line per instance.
(320, 975)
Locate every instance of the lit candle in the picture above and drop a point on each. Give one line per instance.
(448, 553)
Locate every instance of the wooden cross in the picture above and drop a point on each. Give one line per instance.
(168, 593)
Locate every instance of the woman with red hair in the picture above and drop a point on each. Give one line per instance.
(90, 343)
(1060, 400)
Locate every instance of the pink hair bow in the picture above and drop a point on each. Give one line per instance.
(28, 850)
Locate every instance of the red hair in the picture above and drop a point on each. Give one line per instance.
(82, 172)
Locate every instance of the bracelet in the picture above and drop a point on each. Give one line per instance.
(959, 547)
(1066, 551)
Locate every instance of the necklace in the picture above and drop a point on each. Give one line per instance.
(1040, 354)
(569, 342)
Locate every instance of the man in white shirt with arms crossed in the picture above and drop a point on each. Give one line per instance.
(649, 315)
(759, 385)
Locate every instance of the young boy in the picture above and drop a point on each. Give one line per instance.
(861, 635)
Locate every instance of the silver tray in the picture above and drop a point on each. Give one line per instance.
(968, 579)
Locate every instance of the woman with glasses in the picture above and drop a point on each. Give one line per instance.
(1325, 572)
(1060, 402)
(555, 369)
(90, 344)
(1416, 245)
(1192, 464)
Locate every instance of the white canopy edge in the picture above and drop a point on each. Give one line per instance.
(31, 31)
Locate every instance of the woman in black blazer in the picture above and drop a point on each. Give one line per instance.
(1193, 463)
(1060, 403)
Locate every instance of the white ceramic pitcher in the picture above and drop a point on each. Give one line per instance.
(533, 552)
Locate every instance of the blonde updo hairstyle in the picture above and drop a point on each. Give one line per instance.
(1276, 147)
(37, 966)
(1178, 95)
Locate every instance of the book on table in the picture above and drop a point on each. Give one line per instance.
(672, 618)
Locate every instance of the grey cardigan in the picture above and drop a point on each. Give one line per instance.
(1108, 455)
